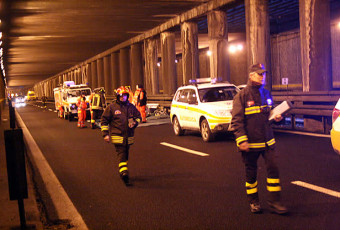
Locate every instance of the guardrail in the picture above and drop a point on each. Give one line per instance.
(314, 109)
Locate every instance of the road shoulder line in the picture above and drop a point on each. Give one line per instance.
(63, 204)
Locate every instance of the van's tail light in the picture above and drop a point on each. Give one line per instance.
(335, 115)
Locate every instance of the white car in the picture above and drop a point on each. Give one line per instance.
(205, 107)
(335, 132)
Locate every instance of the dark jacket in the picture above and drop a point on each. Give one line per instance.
(142, 102)
(115, 121)
(251, 109)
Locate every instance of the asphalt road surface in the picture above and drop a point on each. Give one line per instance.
(175, 189)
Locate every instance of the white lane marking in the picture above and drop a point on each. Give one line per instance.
(303, 133)
(317, 188)
(50, 110)
(62, 203)
(185, 149)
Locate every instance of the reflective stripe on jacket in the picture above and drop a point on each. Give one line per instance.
(251, 109)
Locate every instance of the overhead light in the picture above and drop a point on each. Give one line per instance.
(158, 64)
(232, 49)
(209, 53)
(235, 48)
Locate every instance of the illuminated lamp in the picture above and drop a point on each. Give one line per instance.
(232, 49)
(209, 53)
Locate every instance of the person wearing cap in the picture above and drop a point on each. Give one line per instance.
(118, 123)
(254, 137)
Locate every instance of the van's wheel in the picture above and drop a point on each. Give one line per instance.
(70, 117)
(177, 127)
(206, 133)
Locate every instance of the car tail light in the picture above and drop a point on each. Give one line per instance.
(335, 114)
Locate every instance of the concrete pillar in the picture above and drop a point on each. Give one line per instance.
(115, 76)
(189, 36)
(78, 74)
(315, 45)
(89, 74)
(218, 45)
(107, 73)
(136, 65)
(100, 72)
(83, 75)
(151, 71)
(168, 50)
(94, 74)
(60, 80)
(124, 66)
(258, 35)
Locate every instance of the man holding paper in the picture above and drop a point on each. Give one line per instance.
(254, 137)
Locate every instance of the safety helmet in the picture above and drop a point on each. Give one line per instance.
(122, 90)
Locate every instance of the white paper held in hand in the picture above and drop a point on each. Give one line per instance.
(280, 109)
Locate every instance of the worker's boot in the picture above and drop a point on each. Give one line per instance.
(275, 204)
(125, 177)
(255, 207)
(277, 207)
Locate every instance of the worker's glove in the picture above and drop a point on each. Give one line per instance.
(107, 138)
(244, 146)
(132, 123)
(278, 118)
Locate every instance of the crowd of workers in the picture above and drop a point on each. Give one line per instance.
(252, 129)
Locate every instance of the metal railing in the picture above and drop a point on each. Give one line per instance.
(313, 108)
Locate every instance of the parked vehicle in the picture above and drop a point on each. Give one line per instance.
(66, 97)
(335, 132)
(31, 96)
(205, 106)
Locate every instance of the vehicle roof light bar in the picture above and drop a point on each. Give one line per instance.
(204, 80)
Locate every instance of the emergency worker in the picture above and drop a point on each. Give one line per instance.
(82, 106)
(61, 111)
(43, 100)
(139, 101)
(254, 137)
(97, 105)
(118, 123)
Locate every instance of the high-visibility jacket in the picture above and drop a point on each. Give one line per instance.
(81, 104)
(251, 109)
(139, 98)
(115, 121)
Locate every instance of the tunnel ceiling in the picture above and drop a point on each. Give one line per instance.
(42, 38)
